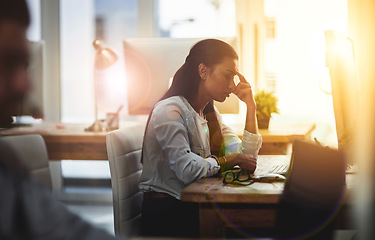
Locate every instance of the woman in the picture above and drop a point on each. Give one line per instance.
(185, 138)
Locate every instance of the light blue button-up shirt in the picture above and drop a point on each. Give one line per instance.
(177, 147)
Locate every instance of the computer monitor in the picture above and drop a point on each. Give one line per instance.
(345, 88)
(33, 105)
(150, 64)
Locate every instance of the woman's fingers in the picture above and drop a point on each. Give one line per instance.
(241, 77)
(249, 163)
(243, 92)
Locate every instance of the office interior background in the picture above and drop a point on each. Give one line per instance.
(282, 49)
(289, 49)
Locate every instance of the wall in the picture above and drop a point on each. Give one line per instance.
(297, 56)
(77, 59)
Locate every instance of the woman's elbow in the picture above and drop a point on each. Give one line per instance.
(189, 175)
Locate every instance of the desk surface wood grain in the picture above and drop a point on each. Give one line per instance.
(67, 141)
(208, 190)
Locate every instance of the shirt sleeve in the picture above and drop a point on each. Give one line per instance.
(250, 143)
(172, 134)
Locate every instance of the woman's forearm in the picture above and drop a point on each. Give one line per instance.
(251, 124)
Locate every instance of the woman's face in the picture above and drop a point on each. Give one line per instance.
(219, 82)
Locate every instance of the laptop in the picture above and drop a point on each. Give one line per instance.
(315, 171)
(314, 188)
(309, 154)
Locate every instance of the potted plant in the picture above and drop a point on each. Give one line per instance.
(266, 105)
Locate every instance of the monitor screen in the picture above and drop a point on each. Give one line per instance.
(345, 90)
(150, 64)
(33, 104)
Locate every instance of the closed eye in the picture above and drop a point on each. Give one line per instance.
(230, 77)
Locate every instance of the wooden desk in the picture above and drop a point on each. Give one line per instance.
(73, 143)
(236, 207)
(70, 142)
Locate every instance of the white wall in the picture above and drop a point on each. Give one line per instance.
(77, 57)
(34, 31)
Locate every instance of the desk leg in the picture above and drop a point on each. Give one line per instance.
(56, 177)
(211, 225)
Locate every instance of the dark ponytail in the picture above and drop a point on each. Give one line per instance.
(216, 136)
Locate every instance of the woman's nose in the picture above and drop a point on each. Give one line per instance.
(232, 86)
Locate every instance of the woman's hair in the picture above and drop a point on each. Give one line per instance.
(186, 81)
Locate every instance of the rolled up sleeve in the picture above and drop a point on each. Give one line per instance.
(251, 143)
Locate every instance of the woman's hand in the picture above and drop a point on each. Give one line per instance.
(243, 91)
(246, 162)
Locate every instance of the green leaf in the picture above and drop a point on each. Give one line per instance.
(266, 104)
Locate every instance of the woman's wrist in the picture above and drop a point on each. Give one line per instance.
(229, 161)
(226, 162)
(223, 160)
(223, 163)
(251, 106)
(216, 159)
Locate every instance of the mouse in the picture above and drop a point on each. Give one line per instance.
(273, 177)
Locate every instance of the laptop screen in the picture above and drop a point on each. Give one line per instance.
(316, 174)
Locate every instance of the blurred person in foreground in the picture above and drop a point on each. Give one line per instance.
(27, 209)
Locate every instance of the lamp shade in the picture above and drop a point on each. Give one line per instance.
(104, 57)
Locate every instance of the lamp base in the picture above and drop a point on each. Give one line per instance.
(97, 126)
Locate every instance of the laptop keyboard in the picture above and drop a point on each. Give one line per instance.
(283, 169)
(280, 169)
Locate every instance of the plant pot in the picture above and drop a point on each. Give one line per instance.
(263, 123)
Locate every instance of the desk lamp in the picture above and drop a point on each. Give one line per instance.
(104, 58)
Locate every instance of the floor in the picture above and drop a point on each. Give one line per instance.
(87, 192)
(100, 215)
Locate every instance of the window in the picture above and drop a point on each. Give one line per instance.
(114, 20)
(196, 18)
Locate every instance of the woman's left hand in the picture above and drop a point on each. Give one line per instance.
(243, 91)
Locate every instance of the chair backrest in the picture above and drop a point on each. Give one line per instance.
(124, 148)
(31, 152)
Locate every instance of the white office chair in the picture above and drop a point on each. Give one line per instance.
(31, 152)
(124, 147)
